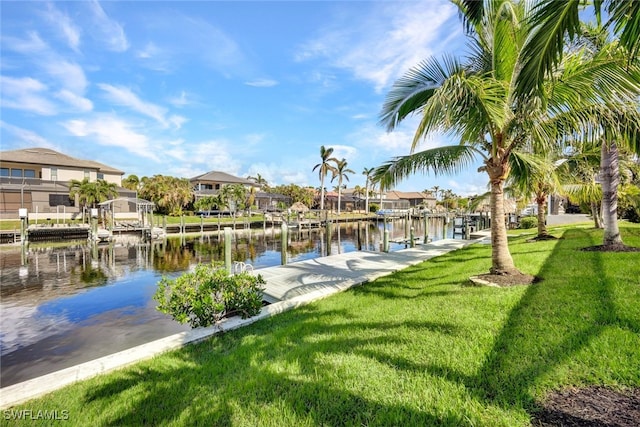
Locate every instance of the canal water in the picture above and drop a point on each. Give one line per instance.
(61, 305)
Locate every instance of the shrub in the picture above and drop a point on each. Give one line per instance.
(528, 222)
(374, 207)
(209, 293)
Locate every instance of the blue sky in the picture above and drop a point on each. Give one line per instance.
(182, 88)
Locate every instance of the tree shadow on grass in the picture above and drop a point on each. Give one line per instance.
(266, 369)
(553, 322)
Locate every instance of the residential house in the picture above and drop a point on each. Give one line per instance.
(38, 179)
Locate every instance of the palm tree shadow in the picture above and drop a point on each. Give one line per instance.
(205, 384)
(552, 322)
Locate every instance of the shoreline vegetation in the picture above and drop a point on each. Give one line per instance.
(418, 347)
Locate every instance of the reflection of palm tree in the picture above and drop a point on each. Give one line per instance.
(367, 173)
(341, 172)
(324, 167)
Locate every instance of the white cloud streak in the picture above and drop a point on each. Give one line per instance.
(29, 138)
(26, 94)
(65, 25)
(108, 30)
(262, 83)
(125, 97)
(111, 131)
(382, 45)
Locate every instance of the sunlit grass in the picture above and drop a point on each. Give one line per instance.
(419, 347)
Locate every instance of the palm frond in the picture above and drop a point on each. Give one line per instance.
(441, 160)
(543, 49)
(410, 92)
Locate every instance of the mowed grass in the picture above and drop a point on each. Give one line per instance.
(418, 348)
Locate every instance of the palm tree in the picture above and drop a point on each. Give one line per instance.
(324, 167)
(259, 179)
(340, 172)
(91, 193)
(551, 22)
(367, 173)
(131, 182)
(358, 192)
(479, 102)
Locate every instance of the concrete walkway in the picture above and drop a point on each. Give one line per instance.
(287, 287)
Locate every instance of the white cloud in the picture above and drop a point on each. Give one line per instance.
(33, 44)
(109, 31)
(26, 94)
(262, 83)
(30, 138)
(111, 131)
(343, 151)
(149, 51)
(70, 75)
(66, 26)
(180, 100)
(79, 103)
(385, 42)
(125, 97)
(277, 174)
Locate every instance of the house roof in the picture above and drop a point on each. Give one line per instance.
(223, 177)
(399, 195)
(46, 156)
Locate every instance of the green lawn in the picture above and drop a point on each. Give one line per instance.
(417, 348)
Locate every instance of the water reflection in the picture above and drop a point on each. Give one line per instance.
(63, 305)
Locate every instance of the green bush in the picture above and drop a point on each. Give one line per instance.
(209, 293)
(374, 207)
(528, 222)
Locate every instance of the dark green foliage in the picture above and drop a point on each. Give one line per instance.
(209, 293)
(373, 207)
(528, 222)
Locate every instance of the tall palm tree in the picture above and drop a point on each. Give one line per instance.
(341, 170)
(260, 180)
(367, 173)
(324, 167)
(479, 102)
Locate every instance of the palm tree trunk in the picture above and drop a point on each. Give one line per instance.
(595, 214)
(322, 193)
(610, 172)
(339, 195)
(501, 260)
(542, 207)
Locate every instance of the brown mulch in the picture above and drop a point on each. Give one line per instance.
(611, 248)
(505, 280)
(590, 407)
(542, 237)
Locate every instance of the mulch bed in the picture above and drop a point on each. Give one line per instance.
(611, 248)
(505, 280)
(590, 407)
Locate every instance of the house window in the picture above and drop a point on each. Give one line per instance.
(16, 173)
(60, 200)
(29, 173)
(217, 186)
(4, 171)
(86, 174)
(100, 175)
(54, 174)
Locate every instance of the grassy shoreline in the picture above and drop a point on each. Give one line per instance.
(419, 347)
